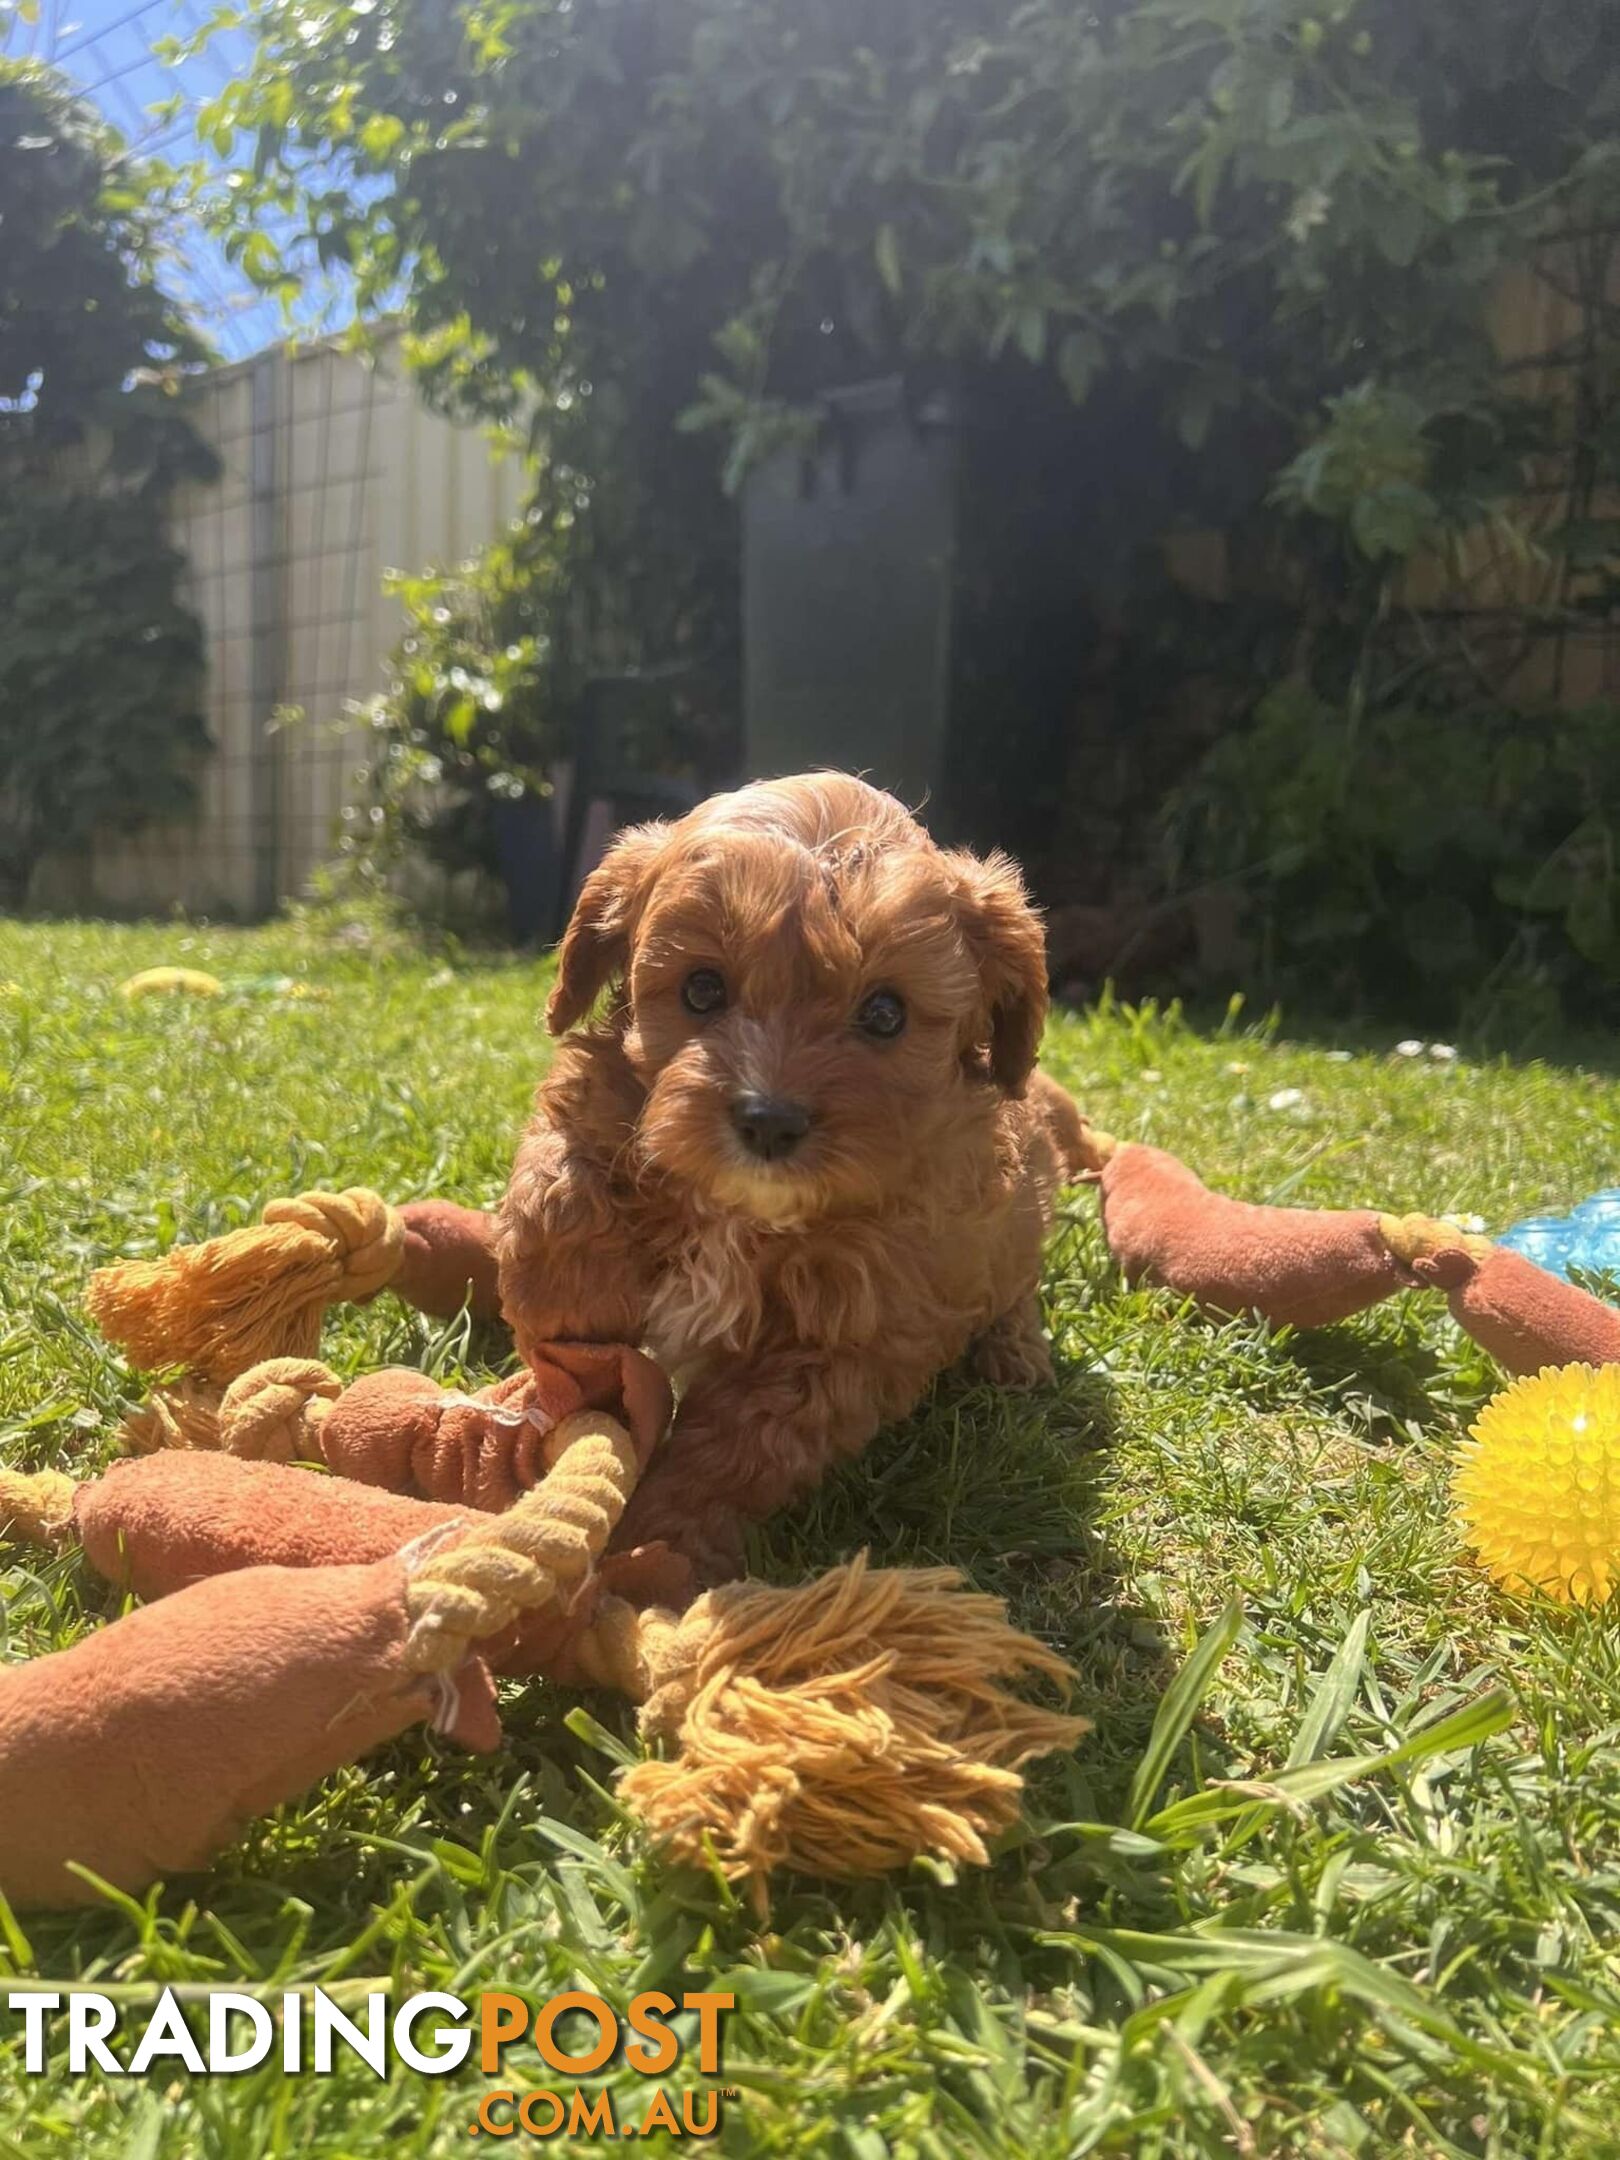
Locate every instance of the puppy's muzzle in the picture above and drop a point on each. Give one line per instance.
(768, 1127)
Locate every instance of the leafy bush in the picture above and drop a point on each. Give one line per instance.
(99, 668)
(1260, 243)
(99, 662)
(1462, 860)
(480, 708)
(469, 717)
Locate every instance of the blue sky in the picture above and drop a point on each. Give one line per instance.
(106, 48)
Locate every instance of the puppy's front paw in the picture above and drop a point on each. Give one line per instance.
(708, 1543)
(1012, 1352)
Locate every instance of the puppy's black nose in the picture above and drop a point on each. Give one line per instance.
(769, 1127)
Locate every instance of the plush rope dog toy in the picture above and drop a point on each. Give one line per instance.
(1310, 1267)
(261, 1292)
(843, 1726)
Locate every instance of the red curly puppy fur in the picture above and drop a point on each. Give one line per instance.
(803, 1155)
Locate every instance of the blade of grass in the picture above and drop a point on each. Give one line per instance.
(1330, 1705)
(1182, 1700)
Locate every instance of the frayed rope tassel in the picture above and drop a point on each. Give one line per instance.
(256, 1293)
(840, 1727)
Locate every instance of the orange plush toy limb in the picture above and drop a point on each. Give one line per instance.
(161, 1523)
(1523, 1315)
(157, 1526)
(401, 1430)
(447, 1260)
(143, 1749)
(1298, 1267)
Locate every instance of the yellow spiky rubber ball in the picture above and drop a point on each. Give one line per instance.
(1537, 1484)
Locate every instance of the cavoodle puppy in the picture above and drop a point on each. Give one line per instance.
(803, 1154)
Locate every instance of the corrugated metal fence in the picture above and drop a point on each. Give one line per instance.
(332, 473)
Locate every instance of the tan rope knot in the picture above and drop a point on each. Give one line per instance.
(365, 1235)
(36, 1506)
(252, 1294)
(184, 1416)
(1413, 1238)
(633, 1652)
(274, 1412)
(536, 1554)
(1097, 1151)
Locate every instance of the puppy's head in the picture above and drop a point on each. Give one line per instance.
(812, 992)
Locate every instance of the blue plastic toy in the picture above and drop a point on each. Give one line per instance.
(1587, 1237)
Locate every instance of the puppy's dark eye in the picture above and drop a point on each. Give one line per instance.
(704, 991)
(882, 1015)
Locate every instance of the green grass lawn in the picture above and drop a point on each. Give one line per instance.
(1180, 1955)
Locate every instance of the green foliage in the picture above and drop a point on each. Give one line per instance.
(1258, 241)
(481, 703)
(1463, 859)
(89, 342)
(99, 671)
(99, 663)
(472, 712)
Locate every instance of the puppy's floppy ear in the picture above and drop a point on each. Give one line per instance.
(1004, 934)
(596, 944)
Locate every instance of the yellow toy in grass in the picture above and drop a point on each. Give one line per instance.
(1537, 1486)
(172, 982)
